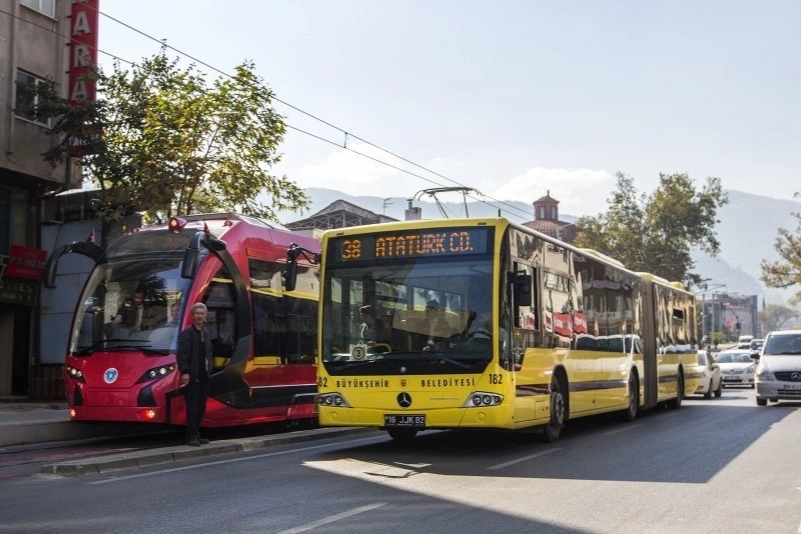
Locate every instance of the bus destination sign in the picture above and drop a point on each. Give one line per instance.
(433, 242)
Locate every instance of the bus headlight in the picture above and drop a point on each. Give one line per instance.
(334, 400)
(482, 398)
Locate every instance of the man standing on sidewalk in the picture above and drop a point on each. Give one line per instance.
(195, 360)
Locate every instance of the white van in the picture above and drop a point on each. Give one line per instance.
(778, 372)
(744, 342)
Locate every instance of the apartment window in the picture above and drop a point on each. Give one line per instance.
(27, 99)
(48, 7)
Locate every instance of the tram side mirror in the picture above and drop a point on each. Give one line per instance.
(191, 262)
(522, 289)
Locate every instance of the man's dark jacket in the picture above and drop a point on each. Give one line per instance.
(188, 344)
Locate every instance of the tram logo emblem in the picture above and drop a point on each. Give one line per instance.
(404, 399)
(111, 375)
(795, 376)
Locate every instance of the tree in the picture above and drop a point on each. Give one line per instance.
(776, 317)
(656, 233)
(787, 271)
(161, 141)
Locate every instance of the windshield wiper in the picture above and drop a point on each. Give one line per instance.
(351, 365)
(126, 344)
(435, 355)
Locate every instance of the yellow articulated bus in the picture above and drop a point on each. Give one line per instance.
(482, 323)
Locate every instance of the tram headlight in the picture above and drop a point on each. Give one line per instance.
(75, 374)
(483, 399)
(157, 372)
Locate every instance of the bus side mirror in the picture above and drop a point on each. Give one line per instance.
(291, 275)
(522, 289)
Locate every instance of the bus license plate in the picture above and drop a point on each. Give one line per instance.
(409, 421)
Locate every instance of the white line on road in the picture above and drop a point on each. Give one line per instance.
(621, 429)
(523, 459)
(267, 455)
(332, 518)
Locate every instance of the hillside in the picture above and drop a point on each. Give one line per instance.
(747, 231)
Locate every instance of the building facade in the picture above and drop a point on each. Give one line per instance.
(33, 49)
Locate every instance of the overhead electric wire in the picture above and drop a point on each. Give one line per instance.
(310, 115)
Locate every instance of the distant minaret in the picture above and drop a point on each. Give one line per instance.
(546, 208)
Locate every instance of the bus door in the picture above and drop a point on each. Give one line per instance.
(522, 297)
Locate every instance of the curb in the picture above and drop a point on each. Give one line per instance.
(145, 458)
(48, 431)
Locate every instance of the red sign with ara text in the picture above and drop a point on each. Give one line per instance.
(26, 262)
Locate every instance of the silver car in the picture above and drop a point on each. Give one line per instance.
(778, 372)
(711, 382)
(737, 367)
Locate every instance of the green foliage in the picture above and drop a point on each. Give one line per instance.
(656, 233)
(776, 317)
(787, 271)
(162, 141)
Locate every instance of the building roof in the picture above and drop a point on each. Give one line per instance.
(338, 214)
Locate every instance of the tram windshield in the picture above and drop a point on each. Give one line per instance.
(130, 305)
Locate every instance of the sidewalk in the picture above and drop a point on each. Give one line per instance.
(24, 422)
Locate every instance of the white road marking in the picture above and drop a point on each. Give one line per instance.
(523, 459)
(332, 518)
(231, 460)
(621, 429)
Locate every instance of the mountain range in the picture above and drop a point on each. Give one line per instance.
(747, 231)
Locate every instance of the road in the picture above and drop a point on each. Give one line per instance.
(720, 465)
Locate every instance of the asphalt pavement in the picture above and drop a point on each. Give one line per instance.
(27, 423)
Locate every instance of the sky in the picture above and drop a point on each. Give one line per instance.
(514, 99)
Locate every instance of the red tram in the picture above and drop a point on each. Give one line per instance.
(120, 364)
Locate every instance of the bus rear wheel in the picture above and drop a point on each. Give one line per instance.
(402, 434)
(675, 404)
(630, 413)
(552, 430)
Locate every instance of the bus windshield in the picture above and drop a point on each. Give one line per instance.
(130, 305)
(429, 315)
